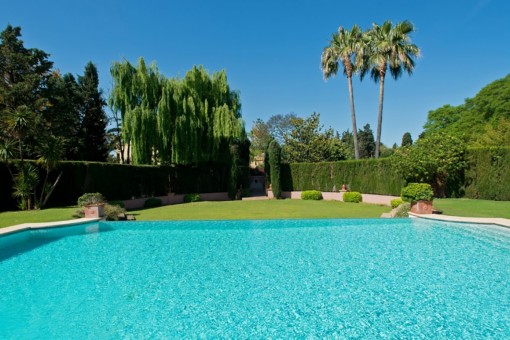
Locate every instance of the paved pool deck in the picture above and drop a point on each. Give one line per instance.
(29, 226)
(477, 220)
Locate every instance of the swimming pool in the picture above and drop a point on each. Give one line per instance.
(286, 278)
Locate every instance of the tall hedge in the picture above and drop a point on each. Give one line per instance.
(488, 174)
(275, 156)
(372, 176)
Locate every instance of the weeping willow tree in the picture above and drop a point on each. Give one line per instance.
(193, 120)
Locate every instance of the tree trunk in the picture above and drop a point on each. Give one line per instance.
(353, 117)
(379, 117)
(51, 190)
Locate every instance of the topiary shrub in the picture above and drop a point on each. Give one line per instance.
(396, 202)
(352, 197)
(189, 198)
(90, 198)
(417, 192)
(275, 166)
(311, 195)
(152, 203)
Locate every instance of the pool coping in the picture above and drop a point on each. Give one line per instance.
(477, 220)
(41, 225)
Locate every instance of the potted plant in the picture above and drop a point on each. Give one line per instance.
(92, 204)
(420, 196)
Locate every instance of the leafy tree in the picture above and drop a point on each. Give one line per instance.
(407, 139)
(471, 120)
(495, 135)
(388, 46)
(94, 121)
(50, 155)
(259, 136)
(280, 125)
(343, 47)
(307, 143)
(22, 89)
(437, 159)
(366, 142)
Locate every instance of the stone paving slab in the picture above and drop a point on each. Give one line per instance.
(478, 220)
(28, 226)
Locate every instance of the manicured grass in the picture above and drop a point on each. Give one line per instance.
(263, 209)
(473, 208)
(10, 218)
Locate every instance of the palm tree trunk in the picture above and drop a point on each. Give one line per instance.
(353, 117)
(379, 117)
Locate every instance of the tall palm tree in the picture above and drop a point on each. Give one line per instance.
(390, 46)
(343, 47)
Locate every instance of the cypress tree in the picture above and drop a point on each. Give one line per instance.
(93, 129)
(274, 164)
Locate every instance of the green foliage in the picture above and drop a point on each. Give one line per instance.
(152, 203)
(396, 202)
(352, 197)
(117, 203)
(190, 198)
(233, 183)
(112, 212)
(488, 173)
(403, 210)
(471, 120)
(25, 182)
(307, 143)
(366, 142)
(175, 121)
(437, 159)
(369, 176)
(407, 140)
(414, 192)
(91, 198)
(275, 166)
(311, 195)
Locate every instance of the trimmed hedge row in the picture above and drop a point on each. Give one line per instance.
(371, 176)
(488, 174)
(120, 182)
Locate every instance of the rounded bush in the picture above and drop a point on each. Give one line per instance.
(112, 212)
(152, 203)
(353, 197)
(90, 198)
(403, 210)
(417, 192)
(396, 202)
(311, 195)
(189, 198)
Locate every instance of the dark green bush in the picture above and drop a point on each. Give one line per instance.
(117, 203)
(417, 192)
(152, 203)
(275, 166)
(189, 198)
(353, 197)
(112, 212)
(90, 198)
(311, 195)
(396, 202)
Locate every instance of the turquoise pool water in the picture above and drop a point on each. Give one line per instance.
(254, 279)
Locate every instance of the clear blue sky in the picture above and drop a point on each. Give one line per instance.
(271, 49)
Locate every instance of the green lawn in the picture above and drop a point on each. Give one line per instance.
(263, 209)
(267, 209)
(473, 208)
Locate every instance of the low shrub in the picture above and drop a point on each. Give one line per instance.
(403, 210)
(311, 195)
(90, 198)
(352, 197)
(417, 192)
(396, 202)
(189, 198)
(152, 203)
(112, 212)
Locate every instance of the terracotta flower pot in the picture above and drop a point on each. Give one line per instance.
(422, 207)
(94, 211)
